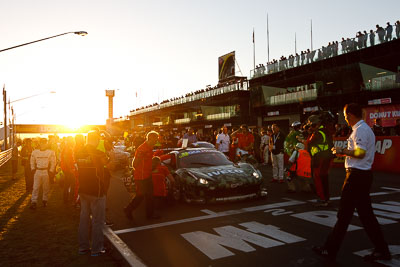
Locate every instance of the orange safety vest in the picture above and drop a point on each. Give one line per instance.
(303, 163)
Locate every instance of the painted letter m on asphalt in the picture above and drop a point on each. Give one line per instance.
(229, 236)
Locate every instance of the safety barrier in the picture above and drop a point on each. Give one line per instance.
(5, 156)
(387, 153)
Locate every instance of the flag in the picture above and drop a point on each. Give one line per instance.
(136, 94)
(253, 36)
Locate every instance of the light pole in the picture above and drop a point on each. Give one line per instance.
(12, 117)
(81, 33)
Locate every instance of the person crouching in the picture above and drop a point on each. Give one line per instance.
(160, 176)
(300, 169)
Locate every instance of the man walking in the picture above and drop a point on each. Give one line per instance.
(359, 155)
(142, 175)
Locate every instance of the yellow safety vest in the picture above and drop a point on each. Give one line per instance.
(320, 147)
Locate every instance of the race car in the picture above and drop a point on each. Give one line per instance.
(204, 175)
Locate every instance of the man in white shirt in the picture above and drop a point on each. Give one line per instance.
(359, 155)
(223, 141)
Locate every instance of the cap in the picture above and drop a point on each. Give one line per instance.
(296, 124)
(314, 119)
(300, 145)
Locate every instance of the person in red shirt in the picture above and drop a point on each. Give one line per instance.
(142, 165)
(245, 140)
(160, 175)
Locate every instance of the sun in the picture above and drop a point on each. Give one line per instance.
(74, 125)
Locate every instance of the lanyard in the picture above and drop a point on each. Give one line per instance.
(276, 137)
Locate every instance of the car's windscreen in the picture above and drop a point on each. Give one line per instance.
(202, 158)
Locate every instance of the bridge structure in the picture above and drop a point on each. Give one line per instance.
(53, 128)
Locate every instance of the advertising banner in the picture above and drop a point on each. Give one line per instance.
(226, 66)
(387, 153)
(388, 114)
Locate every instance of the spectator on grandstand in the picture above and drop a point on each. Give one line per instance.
(381, 33)
(365, 39)
(389, 30)
(360, 40)
(371, 37)
(397, 29)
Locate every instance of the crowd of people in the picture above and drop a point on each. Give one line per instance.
(332, 49)
(207, 89)
(300, 160)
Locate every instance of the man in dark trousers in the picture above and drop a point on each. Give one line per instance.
(359, 155)
(320, 144)
(142, 164)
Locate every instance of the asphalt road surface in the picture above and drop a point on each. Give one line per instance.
(278, 230)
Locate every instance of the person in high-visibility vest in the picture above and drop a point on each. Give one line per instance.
(300, 169)
(319, 145)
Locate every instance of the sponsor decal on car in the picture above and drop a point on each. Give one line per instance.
(224, 171)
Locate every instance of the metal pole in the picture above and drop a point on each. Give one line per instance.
(267, 37)
(295, 44)
(311, 37)
(254, 51)
(79, 33)
(5, 116)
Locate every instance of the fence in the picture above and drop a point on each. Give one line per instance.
(5, 156)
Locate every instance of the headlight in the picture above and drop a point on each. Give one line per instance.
(255, 174)
(203, 181)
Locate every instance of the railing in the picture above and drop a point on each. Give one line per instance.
(182, 121)
(5, 156)
(293, 97)
(382, 83)
(219, 116)
(332, 50)
(196, 96)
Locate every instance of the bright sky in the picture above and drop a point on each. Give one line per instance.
(159, 49)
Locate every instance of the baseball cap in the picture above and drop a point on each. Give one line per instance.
(313, 119)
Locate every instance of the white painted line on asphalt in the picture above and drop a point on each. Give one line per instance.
(209, 212)
(396, 190)
(394, 203)
(394, 250)
(387, 207)
(211, 216)
(122, 248)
